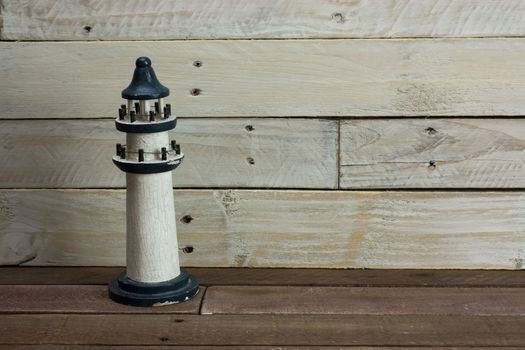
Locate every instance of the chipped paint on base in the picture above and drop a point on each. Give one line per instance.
(167, 302)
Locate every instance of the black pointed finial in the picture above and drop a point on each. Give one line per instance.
(144, 85)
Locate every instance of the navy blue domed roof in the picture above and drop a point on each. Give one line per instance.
(144, 85)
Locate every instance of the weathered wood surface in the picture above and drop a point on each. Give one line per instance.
(22, 299)
(256, 228)
(303, 318)
(363, 300)
(294, 330)
(455, 77)
(298, 153)
(432, 153)
(79, 299)
(228, 19)
(295, 153)
(50, 275)
(236, 347)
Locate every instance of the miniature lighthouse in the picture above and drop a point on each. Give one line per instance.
(153, 275)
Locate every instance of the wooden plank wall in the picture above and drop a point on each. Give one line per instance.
(306, 145)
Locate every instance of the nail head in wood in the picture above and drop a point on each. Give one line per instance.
(430, 130)
(195, 92)
(338, 17)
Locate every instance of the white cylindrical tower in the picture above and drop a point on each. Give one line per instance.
(153, 275)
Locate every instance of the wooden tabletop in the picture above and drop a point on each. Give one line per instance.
(68, 308)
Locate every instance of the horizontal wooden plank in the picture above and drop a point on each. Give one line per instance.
(234, 347)
(230, 152)
(363, 301)
(50, 275)
(257, 228)
(459, 77)
(432, 153)
(213, 19)
(80, 300)
(263, 330)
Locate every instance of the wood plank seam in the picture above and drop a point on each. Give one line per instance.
(203, 296)
(338, 158)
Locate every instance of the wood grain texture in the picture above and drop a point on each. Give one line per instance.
(454, 77)
(236, 347)
(363, 301)
(228, 19)
(292, 330)
(79, 299)
(432, 153)
(299, 153)
(151, 228)
(50, 275)
(257, 228)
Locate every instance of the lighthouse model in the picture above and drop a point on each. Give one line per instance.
(153, 276)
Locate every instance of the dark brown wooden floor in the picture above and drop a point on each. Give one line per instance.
(68, 308)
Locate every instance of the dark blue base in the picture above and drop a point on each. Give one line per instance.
(126, 291)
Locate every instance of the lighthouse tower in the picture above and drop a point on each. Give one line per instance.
(153, 275)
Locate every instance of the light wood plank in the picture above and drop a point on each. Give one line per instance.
(298, 153)
(433, 153)
(245, 19)
(50, 275)
(293, 330)
(80, 299)
(258, 228)
(363, 301)
(461, 77)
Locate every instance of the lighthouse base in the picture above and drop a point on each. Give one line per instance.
(126, 291)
